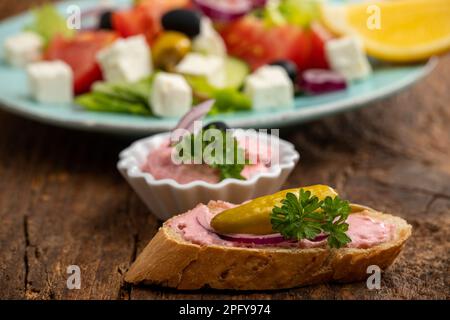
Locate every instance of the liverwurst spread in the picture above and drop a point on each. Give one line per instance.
(194, 226)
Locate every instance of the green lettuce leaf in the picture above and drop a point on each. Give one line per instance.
(118, 97)
(48, 22)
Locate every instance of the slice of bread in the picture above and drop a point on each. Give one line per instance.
(170, 261)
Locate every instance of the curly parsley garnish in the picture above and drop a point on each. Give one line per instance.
(231, 170)
(305, 217)
(229, 164)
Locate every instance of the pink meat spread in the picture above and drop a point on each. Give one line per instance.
(194, 226)
(159, 164)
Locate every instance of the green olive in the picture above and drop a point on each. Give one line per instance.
(169, 48)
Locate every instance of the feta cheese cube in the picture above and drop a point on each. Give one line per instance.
(23, 48)
(171, 95)
(269, 87)
(347, 57)
(209, 66)
(51, 81)
(209, 40)
(126, 60)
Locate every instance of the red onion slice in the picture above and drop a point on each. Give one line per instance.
(227, 10)
(318, 81)
(256, 239)
(259, 3)
(242, 238)
(264, 239)
(205, 222)
(319, 238)
(187, 121)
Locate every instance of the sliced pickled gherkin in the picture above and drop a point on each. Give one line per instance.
(254, 217)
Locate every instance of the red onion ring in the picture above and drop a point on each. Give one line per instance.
(264, 239)
(256, 239)
(250, 238)
(259, 3)
(319, 238)
(317, 81)
(227, 10)
(205, 224)
(187, 121)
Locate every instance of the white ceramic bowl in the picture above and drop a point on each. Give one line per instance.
(166, 197)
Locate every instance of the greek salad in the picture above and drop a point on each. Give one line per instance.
(160, 57)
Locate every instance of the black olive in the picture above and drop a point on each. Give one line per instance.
(182, 20)
(222, 126)
(105, 21)
(289, 67)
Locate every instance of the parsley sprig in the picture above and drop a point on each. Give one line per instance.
(305, 217)
(230, 150)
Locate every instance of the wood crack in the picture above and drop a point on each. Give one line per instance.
(135, 245)
(126, 288)
(25, 255)
(430, 203)
(345, 174)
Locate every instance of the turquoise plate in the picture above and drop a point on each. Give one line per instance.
(14, 97)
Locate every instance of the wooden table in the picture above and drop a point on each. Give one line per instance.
(62, 201)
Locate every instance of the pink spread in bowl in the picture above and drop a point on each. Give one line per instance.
(159, 164)
(194, 226)
(184, 187)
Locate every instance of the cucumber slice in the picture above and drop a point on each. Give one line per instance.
(236, 71)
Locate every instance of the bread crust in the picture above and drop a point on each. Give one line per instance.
(168, 260)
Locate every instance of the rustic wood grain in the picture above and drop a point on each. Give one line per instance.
(63, 202)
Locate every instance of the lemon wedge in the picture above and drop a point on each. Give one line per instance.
(397, 31)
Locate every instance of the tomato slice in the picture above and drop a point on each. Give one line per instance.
(319, 36)
(136, 21)
(128, 22)
(144, 18)
(246, 38)
(300, 50)
(249, 39)
(80, 53)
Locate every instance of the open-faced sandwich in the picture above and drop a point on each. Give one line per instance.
(292, 238)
